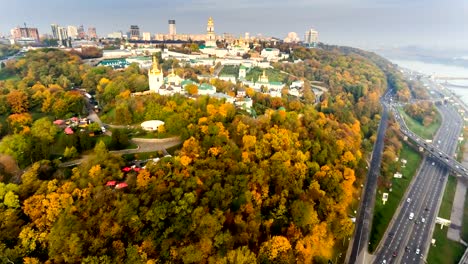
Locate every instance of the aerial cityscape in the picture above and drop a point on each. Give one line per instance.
(240, 132)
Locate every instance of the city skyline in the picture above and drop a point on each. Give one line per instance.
(366, 24)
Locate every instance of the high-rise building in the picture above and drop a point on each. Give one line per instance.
(210, 40)
(172, 28)
(55, 33)
(62, 33)
(25, 33)
(146, 36)
(81, 32)
(72, 32)
(311, 36)
(92, 33)
(63, 36)
(134, 32)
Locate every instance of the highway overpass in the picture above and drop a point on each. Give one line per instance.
(456, 167)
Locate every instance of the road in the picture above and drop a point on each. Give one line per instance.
(144, 145)
(407, 240)
(362, 229)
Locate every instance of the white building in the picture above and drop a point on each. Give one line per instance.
(242, 71)
(270, 54)
(115, 35)
(147, 36)
(155, 76)
(297, 84)
(152, 125)
(206, 89)
(311, 36)
(228, 78)
(72, 32)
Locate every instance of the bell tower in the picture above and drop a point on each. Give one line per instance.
(210, 40)
(155, 76)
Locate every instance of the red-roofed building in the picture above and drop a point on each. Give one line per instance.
(68, 131)
(121, 185)
(111, 183)
(126, 169)
(59, 122)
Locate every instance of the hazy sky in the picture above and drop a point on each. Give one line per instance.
(361, 23)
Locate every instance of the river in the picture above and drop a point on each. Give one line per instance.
(440, 70)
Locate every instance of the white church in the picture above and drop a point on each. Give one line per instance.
(164, 86)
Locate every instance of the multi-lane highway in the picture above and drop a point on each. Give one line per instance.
(360, 240)
(407, 240)
(433, 149)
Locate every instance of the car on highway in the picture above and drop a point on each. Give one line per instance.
(433, 163)
(417, 251)
(411, 216)
(394, 253)
(423, 219)
(408, 200)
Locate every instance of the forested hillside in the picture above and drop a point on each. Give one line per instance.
(276, 188)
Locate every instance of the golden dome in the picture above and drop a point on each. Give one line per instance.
(210, 21)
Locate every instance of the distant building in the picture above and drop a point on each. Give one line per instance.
(55, 33)
(210, 40)
(146, 36)
(134, 32)
(172, 29)
(81, 32)
(311, 37)
(92, 33)
(115, 35)
(270, 53)
(72, 32)
(62, 36)
(25, 33)
(292, 38)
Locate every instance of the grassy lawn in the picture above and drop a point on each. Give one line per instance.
(465, 221)
(446, 251)
(384, 213)
(273, 75)
(420, 130)
(230, 70)
(5, 75)
(446, 206)
(108, 117)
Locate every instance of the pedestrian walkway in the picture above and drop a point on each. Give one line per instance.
(456, 217)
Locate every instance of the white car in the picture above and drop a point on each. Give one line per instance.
(423, 220)
(417, 251)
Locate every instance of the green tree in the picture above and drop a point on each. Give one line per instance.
(44, 130)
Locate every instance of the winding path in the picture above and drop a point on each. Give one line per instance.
(144, 145)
